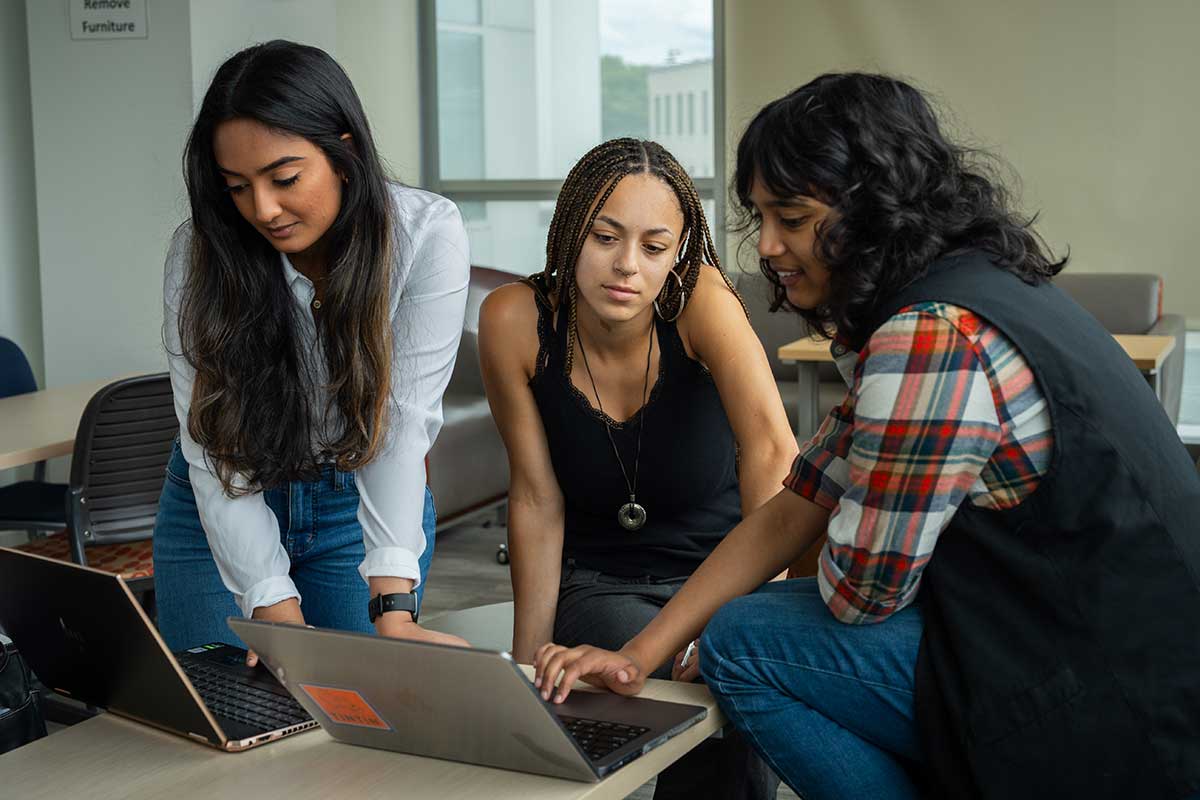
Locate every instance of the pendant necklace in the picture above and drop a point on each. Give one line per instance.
(632, 515)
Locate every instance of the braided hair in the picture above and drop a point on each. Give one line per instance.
(587, 187)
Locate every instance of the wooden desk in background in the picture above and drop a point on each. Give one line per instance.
(1147, 353)
(42, 425)
(111, 757)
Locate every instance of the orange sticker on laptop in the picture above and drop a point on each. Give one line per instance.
(345, 706)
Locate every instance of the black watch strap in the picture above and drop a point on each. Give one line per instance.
(383, 603)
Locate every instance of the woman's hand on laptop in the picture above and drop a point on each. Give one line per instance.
(284, 611)
(558, 666)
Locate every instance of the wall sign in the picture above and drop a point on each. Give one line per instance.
(108, 19)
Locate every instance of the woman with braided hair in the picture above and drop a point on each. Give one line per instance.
(641, 419)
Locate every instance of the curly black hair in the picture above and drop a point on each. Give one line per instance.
(903, 195)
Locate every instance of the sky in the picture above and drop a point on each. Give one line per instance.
(643, 31)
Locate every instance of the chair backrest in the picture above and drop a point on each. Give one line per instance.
(1122, 302)
(120, 461)
(16, 376)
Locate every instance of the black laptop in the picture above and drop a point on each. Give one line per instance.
(85, 636)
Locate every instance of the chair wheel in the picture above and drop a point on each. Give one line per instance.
(502, 554)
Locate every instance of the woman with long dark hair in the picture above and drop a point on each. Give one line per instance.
(1002, 493)
(640, 417)
(313, 312)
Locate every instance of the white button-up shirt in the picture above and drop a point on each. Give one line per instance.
(428, 303)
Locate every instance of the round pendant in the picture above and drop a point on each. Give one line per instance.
(631, 516)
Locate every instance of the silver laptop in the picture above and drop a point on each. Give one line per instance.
(474, 706)
(85, 636)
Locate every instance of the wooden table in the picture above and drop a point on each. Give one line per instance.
(1147, 352)
(806, 354)
(110, 757)
(41, 425)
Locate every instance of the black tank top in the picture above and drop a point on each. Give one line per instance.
(688, 473)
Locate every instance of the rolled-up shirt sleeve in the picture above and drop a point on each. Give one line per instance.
(242, 531)
(427, 317)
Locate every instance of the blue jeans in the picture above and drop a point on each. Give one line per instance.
(828, 705)
(318, 526)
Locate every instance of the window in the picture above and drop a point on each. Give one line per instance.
(460, 103)
(515, 91)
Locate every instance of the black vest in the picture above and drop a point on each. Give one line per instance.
(1061, 654)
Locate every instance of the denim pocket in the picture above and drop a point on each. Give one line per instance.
(177, 467)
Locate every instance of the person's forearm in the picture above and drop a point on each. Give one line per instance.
(535, 540)
(383, 584)
(761, 472)
(753, 552)
(760, 475)
(284, 611)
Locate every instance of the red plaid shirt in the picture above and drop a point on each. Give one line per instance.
(942, 409)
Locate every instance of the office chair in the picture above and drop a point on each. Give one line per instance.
(35, 506)
(117, 472)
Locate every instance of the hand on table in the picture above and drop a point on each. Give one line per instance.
(400, 626)
(555, 665)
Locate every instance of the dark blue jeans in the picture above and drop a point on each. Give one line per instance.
(318, 526)
(828, 705)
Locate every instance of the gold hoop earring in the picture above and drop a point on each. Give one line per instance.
(682, 300)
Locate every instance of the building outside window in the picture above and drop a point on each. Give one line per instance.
(675, 80)
(520, 89)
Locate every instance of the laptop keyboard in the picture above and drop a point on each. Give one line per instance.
(599, 738)
(226, 697)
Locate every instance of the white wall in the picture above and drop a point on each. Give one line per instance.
(109, 119)
(219, 28)
(1093, 102)
(20, 299)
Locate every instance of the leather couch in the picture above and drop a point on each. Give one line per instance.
(467, 466)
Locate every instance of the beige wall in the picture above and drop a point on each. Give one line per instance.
(377, 44)
(20, 289)
(1093, 102)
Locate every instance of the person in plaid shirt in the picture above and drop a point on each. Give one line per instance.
(1008, 510)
